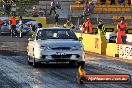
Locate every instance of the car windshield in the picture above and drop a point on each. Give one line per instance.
(55, 34)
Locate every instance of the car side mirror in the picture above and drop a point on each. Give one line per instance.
(30, 39)
(80, 38)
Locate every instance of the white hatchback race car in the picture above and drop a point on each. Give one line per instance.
(55, 44)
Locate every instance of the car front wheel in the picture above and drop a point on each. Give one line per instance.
(34, 62)
(29, 58)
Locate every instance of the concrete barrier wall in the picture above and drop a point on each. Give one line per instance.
(98, 44)
(93, 43)
(119, 50)
(112, 49)
(125, 51)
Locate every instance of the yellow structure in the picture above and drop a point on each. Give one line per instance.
(94, 43)
(98, 44)
(107, 8)
(112, 50)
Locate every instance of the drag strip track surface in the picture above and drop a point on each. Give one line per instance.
(16, 73)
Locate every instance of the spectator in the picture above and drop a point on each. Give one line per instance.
(58, 5)
(56, 19)
(101, 28)
(121, 34)
(20, 26)
(40, 13)
(6, 8)
(87, 26)
(91, 8)
(53, 5)
(103, 2)
(112, 2)
(13, 9)
(69, 24)
(34, 12)
(121, 2)
(129, 2)
(13, 26)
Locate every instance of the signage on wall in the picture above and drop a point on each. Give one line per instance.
(97, 43)
(125, 51)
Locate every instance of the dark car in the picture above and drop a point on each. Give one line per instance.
(4, 29)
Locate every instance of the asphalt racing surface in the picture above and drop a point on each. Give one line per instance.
(16, 73)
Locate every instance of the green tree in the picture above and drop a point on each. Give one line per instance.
(21, 5)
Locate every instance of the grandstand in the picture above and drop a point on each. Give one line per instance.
(109, 13)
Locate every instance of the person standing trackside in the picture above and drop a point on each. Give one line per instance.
(101, 28)
(83, 26)
(121, 34)
(129, 2)
(20, 26)
(69, 25)
(88, 26)
(13, 26)
(56, 19)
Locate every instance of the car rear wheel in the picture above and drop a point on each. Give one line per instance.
(81, 63)
(72, 63)
(0, 32)
(29, 58)
(35, 64)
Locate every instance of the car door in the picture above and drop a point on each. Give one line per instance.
(30, 47)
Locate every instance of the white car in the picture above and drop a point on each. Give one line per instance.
(55, 44)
